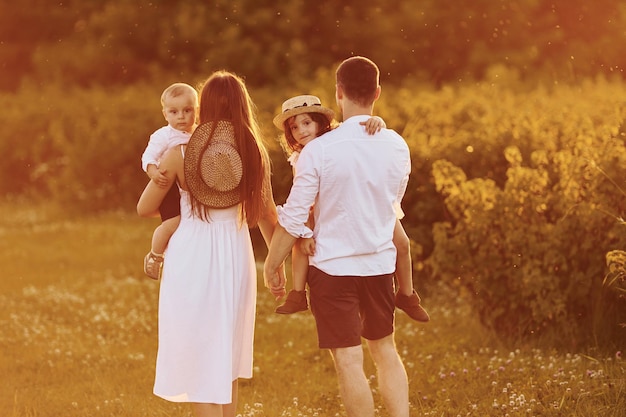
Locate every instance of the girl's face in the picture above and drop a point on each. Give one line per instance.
(180, 112)
(303, 128)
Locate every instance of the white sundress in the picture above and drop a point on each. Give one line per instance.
(207, 306)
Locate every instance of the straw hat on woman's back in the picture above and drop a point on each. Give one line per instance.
(213, 166)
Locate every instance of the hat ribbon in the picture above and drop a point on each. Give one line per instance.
(302, 105)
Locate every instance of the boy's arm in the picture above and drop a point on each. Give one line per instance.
(152, 170)
(156, 175)
(157, 145)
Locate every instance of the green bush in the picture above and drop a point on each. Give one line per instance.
(528, 249)
(81, 148)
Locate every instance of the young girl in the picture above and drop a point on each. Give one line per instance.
(303, 118)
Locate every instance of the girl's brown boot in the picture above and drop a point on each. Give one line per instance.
(296, 301)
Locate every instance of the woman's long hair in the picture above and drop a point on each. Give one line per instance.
(224, 96)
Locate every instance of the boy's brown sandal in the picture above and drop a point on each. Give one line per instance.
(296, 301)
(153, 265)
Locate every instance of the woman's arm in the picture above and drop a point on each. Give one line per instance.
(171, 166)
(267, 225)
(269, 218)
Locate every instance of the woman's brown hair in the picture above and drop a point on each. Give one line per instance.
(224, 96)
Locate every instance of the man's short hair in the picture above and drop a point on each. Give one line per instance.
(358, 76)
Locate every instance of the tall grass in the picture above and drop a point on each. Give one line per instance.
(78, 338)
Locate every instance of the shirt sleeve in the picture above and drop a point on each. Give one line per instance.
(157, 145)
(294, 214)
(292, 228)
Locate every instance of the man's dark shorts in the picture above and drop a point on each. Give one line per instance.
(170, 206)
(347, 308)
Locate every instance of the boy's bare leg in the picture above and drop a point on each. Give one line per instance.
(163, 233)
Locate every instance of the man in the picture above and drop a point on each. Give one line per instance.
(354, 181)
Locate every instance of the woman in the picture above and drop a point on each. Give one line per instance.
(208, 289)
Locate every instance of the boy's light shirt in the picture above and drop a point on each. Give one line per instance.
(355, 182)
(161, 141)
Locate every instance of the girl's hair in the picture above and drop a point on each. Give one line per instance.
(290, 144)
(224, 96)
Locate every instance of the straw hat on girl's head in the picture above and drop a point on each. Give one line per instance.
(301, 104)
(213, 166)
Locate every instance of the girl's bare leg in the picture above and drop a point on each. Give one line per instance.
(299, 268)
(404, 266)
(407, 298)
(296, 298)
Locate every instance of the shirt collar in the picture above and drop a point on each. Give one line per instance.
(357, 119)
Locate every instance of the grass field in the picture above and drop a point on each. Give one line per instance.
(78, 338)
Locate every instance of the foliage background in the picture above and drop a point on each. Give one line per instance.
(513, 111)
